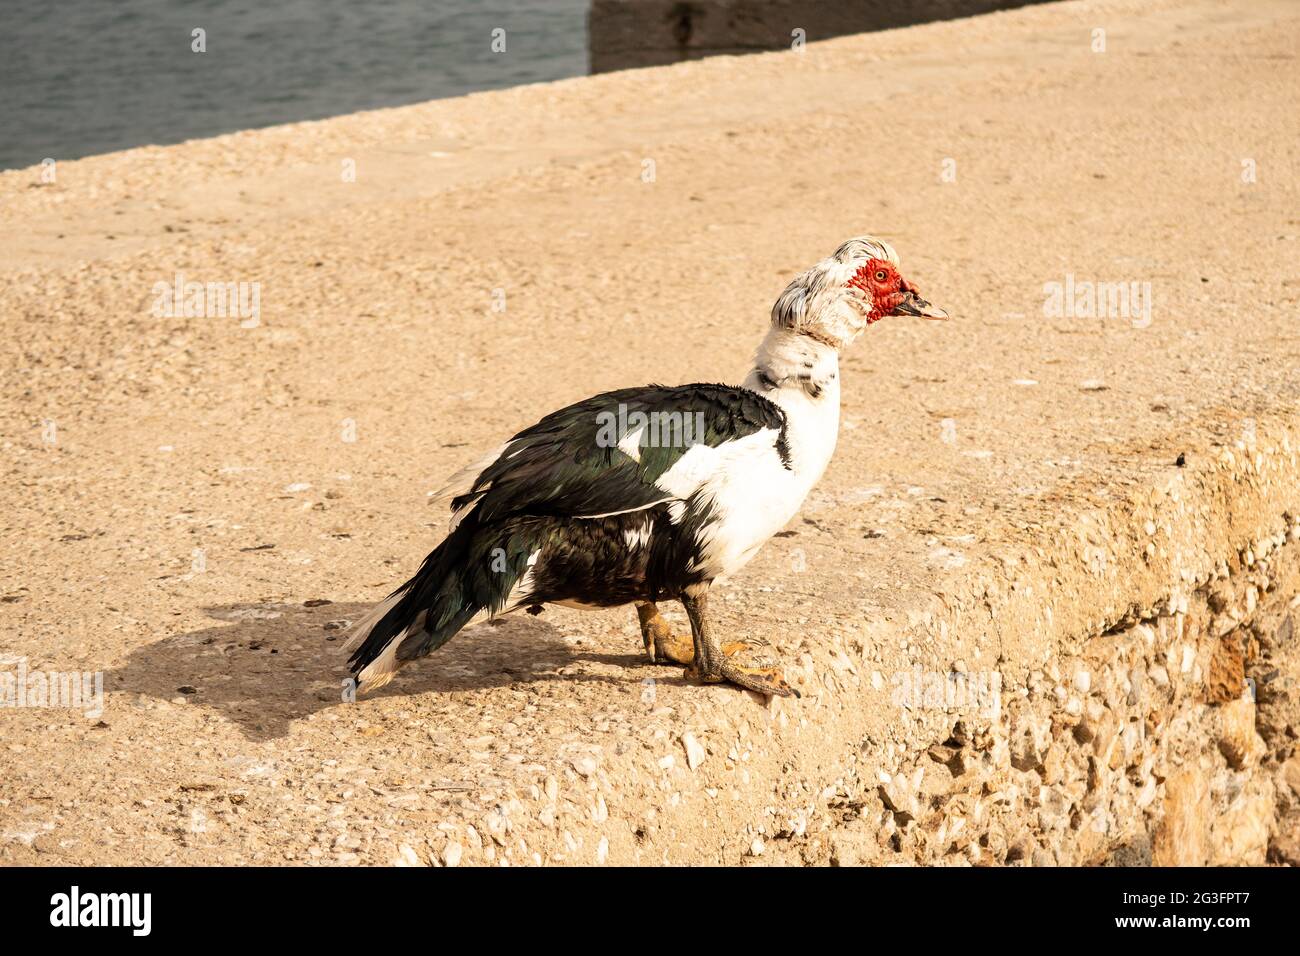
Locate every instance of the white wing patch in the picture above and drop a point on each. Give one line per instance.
(702, 463)
(691, 470)
(631, 444)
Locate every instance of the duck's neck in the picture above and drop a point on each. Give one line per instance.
(802, 375)
(789, 365)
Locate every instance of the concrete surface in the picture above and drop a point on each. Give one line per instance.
(1005, 491)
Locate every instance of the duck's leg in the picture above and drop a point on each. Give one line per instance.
(661, 644)
(664, 646)
(711, 664)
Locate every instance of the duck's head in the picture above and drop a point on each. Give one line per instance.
(839, 297)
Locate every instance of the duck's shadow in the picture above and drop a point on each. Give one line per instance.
(266, 665)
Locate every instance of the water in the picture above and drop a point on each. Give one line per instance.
(79, 77)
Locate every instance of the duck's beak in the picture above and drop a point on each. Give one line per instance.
(910, 303)
(913, 304)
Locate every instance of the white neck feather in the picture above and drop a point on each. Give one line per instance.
(787, 360)
(801, 374)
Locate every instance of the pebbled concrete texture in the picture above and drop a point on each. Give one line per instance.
(1006, 498)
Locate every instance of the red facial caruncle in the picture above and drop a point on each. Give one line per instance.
(890, 293)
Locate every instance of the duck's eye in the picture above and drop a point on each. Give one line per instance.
(881, 275)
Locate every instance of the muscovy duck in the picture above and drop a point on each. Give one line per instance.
(646, 494)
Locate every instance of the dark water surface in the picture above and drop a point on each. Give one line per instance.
(79, 77)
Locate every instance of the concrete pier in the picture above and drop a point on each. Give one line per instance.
(1041, 607)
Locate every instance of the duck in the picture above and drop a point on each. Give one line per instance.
(649, 494)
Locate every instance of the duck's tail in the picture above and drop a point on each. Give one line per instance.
(473, 572)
